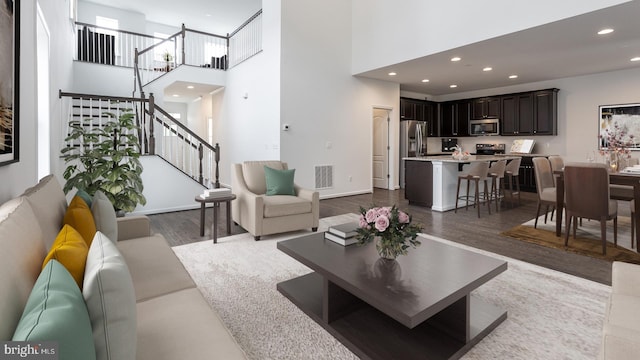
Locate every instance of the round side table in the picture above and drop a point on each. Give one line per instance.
(216, 205)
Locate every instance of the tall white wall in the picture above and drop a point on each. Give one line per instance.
(127, 20)
(330, 112)
(388, 32)
(18, 176)
(248, 128)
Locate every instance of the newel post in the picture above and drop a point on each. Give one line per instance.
(184, 33)
(152, 136)
(217, 166)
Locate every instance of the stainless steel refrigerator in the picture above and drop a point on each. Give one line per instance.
(413, 142)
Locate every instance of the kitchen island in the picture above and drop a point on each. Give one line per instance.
(432, 180)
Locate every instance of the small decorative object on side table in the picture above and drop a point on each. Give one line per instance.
(391, 228)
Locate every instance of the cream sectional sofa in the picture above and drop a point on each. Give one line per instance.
(174, 321)
(621, 330)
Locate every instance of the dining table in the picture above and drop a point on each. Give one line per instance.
(619, 178)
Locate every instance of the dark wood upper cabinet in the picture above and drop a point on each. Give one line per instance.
(546, 112)
(526, 113)
(454, 120)
(431, 117)
(411, 109)
(530, 113)
(488, 107)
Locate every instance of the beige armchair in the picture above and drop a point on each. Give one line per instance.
(260, 214)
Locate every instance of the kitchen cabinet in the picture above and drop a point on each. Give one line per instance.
(431, 117)
(411, 109)
(418, 182)
(454, 118)
(527, 175)
(487, 107)
(422, 110)
(546, 112)
(530, 113)
(517, 114)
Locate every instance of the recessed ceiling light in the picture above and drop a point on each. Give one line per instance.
(392, 74)
(513, 76)
(488, 68)
(208, 15)
(425, 80)
(175, 95)
(456, 58)
(453, 86)
(190, 87)
(637, 58)
(605, 31)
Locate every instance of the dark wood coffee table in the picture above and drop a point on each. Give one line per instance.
(419, 307)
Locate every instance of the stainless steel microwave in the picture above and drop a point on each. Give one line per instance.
(484, 127)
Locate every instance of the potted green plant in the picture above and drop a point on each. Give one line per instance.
(107, 159)
(167, 58)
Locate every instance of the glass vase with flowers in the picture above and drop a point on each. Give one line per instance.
(390, 227)
(615, 145)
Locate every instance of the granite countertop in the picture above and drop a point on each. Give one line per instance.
(472, 158)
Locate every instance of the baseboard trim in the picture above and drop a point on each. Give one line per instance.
(351, 193)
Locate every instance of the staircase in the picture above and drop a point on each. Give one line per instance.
(183, 151)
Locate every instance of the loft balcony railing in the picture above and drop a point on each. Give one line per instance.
(157, 56)
(158, 132)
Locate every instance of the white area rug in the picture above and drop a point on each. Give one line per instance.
(551, 315)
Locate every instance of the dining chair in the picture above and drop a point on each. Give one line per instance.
(496, 173)
(556, 164)
(512, 171)
(589, 199)
(545, 186)
(477, 172)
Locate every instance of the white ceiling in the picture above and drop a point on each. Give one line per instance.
(565, 48)
(182, 91)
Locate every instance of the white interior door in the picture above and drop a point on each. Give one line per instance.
(381, 148)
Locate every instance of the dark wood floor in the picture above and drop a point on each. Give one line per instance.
(464, 227)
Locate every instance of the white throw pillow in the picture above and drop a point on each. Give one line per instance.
(110, 298)
(104, 215)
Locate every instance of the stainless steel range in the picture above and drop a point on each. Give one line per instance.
(490, 149)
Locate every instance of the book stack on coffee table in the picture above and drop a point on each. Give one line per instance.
(343, 234)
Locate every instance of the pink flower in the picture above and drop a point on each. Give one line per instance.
(403, 217)
(363, 222)
(384, 211)
(371, 215)
(382, 223)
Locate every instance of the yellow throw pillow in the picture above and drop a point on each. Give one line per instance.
(70, 250)
(79, 216)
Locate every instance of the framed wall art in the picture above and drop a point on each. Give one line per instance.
(9, 80)
(619, 124)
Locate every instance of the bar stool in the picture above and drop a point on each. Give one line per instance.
(512, 171)
(496, 173)
(477, 172)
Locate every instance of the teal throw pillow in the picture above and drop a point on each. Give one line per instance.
(279, 182)
(55, 311)
(85, 196)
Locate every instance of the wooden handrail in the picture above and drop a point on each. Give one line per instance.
(99, 97)
(186, 129)
(160, 43)
(245, 23)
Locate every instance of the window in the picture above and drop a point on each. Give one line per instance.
(105, 22)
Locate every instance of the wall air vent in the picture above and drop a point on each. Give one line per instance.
(324, 176)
